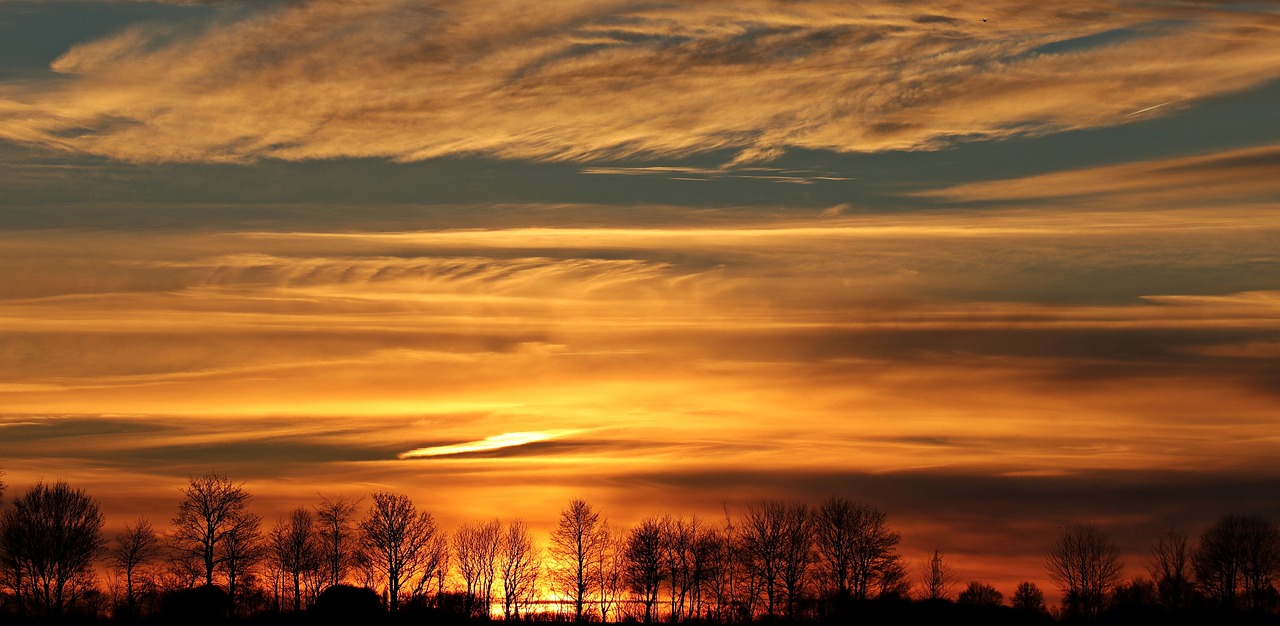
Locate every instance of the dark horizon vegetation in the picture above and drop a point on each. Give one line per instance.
(776, 562)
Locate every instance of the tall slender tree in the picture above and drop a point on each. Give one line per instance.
(937, 580)
(241, 551)
(137, 546)
(336, 538)
(608, 570)
(1169, 564)
(574, 543)
(476, 544)
(763, 531)
(645, 564)
(519, 564)
(295, 548)
(797, 554)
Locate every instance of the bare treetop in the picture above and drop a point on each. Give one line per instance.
(398, 538)
(211, 505)
(1086, 565)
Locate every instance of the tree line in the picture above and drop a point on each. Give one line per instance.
(775, 560)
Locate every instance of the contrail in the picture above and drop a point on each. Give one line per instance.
(1156, 106)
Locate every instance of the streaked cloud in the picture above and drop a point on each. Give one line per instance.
(1237, 175)
(588, 79)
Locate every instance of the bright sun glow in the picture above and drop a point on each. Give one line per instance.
(496, 442)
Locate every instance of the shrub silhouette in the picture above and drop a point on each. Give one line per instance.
(345, 604)
(207, 604)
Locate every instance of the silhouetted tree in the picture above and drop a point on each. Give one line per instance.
(519, 564)
(854, 546)
(50, 537)
(1169, 564)
(398, 539)
(476, 545)
(980, 594)
(1137, 593)
(937, 580)
(762, 528)
(797, 554)
(435, 568)
(336, 537)
(777, 540)
(725, 578)
(241, 550)
(1260, 566)
(1028, 597)
(645, 564)
(1238, 558)
(677, 543)
(705, 565)
(212, 507)
(295, 549)
(1085, 564)
(574, 543)
(891, 580)
(135, 547)
(608, 570)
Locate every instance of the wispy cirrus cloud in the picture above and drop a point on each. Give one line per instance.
(588, 79)
(1235, 175)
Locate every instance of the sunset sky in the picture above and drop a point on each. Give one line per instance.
(992, 267)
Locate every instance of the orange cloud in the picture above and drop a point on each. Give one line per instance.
(595, 78)
(1238, 175)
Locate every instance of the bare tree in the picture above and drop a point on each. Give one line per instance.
(854, 547)
(519, 564)
(608, 569)
(980, 594)
(1238, 558)
(1260, 565)
(704, 568)
(240, 553)
(398, 539)
(476, 546)
(295, 549)
(574, 543)
(135, 547)
(50, 537)
(1169, 564)
(797, 554)
(435, 567)
(725, 579)
(646, 564)
(337, 538)
(776, 542)
(1085, 564)
(212, 507)
(1028, 597)
(892, 580)
(937, 580)
(677, 541)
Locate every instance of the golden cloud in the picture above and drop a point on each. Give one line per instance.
(1237, 176)
(584, 79)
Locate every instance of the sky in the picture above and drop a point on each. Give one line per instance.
(993, 268)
